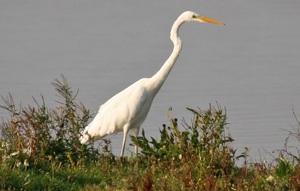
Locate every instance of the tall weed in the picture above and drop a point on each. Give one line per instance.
(35, 135)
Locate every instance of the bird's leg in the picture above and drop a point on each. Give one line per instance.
(124, 140)
(123, 144)
(136, 133)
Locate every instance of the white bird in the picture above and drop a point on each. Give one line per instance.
(128, 109)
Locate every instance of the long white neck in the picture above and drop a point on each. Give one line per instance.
(159, 78)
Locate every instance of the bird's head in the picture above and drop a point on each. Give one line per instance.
(192, 16)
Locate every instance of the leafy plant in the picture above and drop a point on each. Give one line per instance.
(39, 150)
(205, 138)
(37, 135)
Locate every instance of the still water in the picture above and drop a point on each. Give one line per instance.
(250, 66)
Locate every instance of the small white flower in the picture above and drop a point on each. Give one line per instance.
(270, 178)
(3, 144)
(26, 164)
(14, 153)
(180, 157)
(18, 164)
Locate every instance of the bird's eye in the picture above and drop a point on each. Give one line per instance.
(194, 16)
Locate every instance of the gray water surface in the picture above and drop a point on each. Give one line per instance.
(250, 66)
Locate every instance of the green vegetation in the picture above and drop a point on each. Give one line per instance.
(39, 150)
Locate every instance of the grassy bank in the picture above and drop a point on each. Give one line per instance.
(40, 150)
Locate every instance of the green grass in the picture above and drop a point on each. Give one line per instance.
(40, 150)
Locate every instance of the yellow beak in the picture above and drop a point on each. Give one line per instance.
(209, 20)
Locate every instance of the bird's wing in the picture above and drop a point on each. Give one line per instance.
(130, 106)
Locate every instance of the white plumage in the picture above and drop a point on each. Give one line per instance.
(128, 109)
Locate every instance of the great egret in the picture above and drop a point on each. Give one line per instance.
(128, 109)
